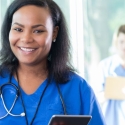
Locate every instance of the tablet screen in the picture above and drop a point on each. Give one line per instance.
(70, 120)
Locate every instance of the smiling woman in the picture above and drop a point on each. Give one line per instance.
(35, 59)
(31, 34)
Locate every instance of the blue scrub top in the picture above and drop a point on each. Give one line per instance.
(78, 97)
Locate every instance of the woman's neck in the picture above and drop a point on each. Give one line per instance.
(31, 77)
(36, 70)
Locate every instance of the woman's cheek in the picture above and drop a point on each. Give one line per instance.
(13, 38)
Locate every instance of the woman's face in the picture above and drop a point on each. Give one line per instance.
(31, 34)
(121, 45)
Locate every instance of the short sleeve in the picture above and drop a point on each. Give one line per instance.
(91, 106)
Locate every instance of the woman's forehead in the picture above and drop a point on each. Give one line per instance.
(30, 13)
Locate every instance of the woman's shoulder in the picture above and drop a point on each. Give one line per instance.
(84, 94)
(77, 80)
(74, 76)
(80, 87)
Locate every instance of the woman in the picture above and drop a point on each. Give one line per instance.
(35, 58)
(113, 110)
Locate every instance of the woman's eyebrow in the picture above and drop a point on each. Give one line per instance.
(18, 24)
(34, 26)
(38, 25)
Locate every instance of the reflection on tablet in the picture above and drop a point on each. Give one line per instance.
(70, 120)
(59, 123)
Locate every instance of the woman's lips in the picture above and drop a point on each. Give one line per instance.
(27, 49)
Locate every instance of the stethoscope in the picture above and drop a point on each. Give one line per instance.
(18, 93)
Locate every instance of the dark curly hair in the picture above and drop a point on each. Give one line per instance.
(59, 65)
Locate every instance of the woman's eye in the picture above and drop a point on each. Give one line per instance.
(18, 29)
(38, 31)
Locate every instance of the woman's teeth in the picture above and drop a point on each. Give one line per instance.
(26, 49)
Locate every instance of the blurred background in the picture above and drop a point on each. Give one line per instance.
(92, 24)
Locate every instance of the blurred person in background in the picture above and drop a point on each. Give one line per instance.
(113, 110)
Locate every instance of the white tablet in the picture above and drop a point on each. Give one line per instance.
(70, 120)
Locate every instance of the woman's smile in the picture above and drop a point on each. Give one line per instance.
(26, 49)
(31, 34)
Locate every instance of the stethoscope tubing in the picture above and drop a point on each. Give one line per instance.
(9, 111)
(18, 92)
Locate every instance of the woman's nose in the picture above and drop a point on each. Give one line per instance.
(27, 37)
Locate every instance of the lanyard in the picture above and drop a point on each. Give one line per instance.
(23, 101)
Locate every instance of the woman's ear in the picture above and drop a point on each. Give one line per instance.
(55, 33)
